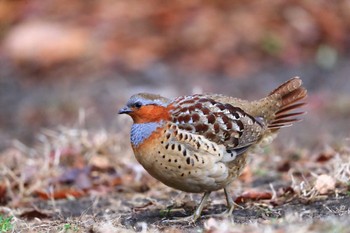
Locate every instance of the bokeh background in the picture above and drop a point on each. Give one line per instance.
(76, 62)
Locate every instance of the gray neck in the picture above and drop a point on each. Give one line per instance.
(140, 132)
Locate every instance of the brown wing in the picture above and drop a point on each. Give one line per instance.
(221, 123)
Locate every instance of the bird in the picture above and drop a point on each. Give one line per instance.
(199, 143)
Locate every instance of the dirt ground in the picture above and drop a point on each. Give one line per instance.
(88, 214)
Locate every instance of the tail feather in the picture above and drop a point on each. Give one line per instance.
(288, 97)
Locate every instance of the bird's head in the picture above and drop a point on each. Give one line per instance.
(144, 108)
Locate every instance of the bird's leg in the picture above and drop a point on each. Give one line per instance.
(230, 205)
(199, 209)
(197, 213)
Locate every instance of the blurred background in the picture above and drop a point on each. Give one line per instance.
(67, 62)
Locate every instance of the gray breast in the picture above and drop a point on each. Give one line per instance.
(140, 132)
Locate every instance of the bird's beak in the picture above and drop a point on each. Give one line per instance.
(124, 110)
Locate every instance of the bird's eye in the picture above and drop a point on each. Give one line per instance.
(138, 105)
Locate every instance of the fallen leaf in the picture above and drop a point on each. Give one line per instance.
(61, 194)
(253, 196)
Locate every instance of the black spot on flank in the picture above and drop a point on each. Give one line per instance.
(179, 167)
(175, 160)
(196, 156)
(166, 146)
(179, 147)
(182, 174)
(212, 146)
(231, 154)
(166, 167)
(161, 164)
(186, 136)
(158, 152)
(180, 136)
(175, 132)
(202, 161)
(189, 172)
(173, 146)
(184, 152)
(188, 160)
(167, 136)
(198, 145)
(162, 142)
(163, 156)
(169, 160)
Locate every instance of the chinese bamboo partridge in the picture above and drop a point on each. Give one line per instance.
(198, 143)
